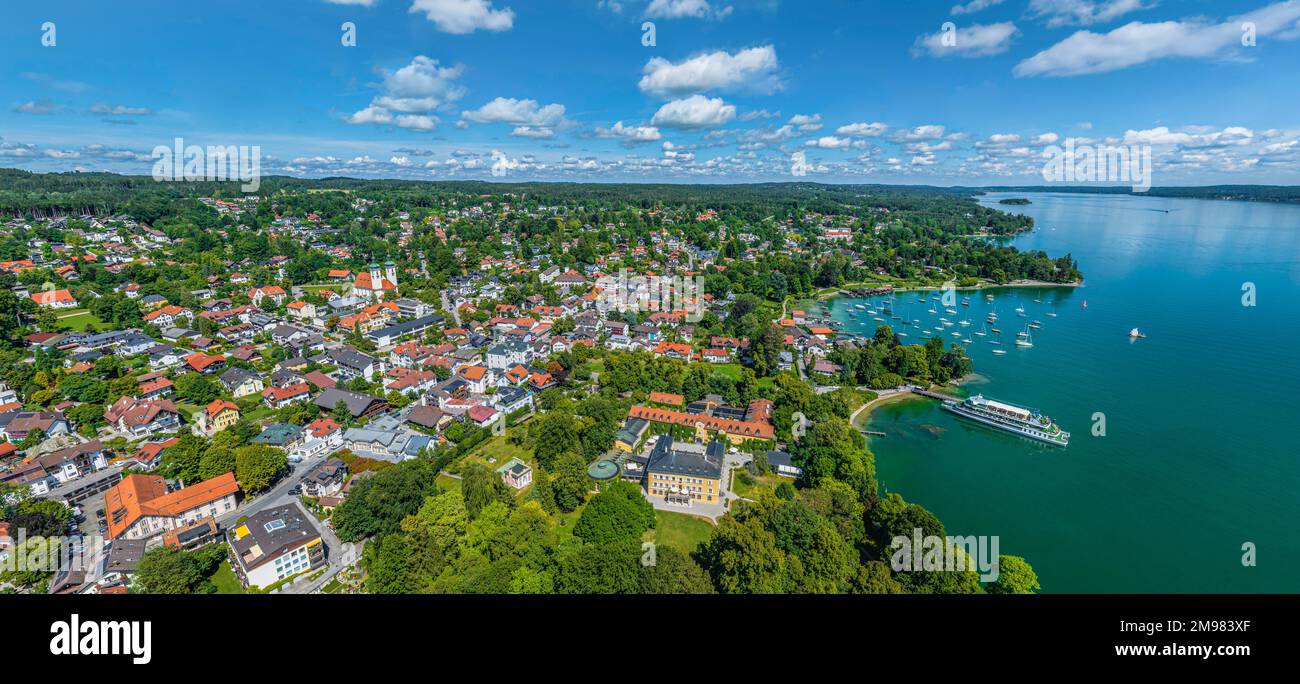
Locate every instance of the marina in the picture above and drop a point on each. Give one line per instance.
(1179, 488)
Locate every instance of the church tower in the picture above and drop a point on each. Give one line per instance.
(390, 272)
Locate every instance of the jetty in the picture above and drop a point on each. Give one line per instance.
(932, 395)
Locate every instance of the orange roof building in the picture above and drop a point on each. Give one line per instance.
(736, 430)
(140, 507)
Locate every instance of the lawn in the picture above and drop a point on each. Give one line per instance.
(447, 483)
(681, 531)
(225, 581)
(81, 321)
(496, 452)
(732, 370)
(750, 491)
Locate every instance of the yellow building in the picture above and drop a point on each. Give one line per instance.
(218, 416)
(682, 472)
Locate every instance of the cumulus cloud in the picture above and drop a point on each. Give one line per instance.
(521, 112)
(530, 119)
(926, 132)
(464, 16)
(694, 112)
(629, 134)
(807, 123)
(977, 40)
(411, 95)
(863, 130)
(1083, 12)
(752, 68)
(974, 6)
(829, 142)
(678, 9)
(1136, 43)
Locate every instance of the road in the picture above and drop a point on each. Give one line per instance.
(338, 554)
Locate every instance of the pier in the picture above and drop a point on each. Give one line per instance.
(933, 395)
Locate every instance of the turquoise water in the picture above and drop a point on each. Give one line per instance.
(1199, 454)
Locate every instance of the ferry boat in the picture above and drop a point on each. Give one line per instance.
(1011, 418)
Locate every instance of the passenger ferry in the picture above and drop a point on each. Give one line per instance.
(1022, 421)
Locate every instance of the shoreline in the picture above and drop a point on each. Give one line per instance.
(864, 411)
(895, 396)
(1018, 284)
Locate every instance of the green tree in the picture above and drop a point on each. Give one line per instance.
(571, 483)
(619, 513)
(1015, 576)
(257, 466)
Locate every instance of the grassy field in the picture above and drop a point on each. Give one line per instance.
(448, 483)
(732, 370)
(682, 531)
(749, 491)
(79, 322)
(225, 580)
(496, 452)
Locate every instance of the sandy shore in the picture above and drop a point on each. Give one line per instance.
(863, 413)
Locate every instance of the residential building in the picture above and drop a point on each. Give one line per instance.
(140, 506)
(273, 545)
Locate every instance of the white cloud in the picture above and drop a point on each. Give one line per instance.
(1084, 12)
(1136, 43)
(807, 123)
(465, 16)
(977, 40)
(829, 142)
(975, 6)
(119, 110)
(535, 132)
(678, 9)
(629, 134)
(863, 130)
(759, 114)
(751, 68)
(363, 3)
(414, 93)
(1046, 139)
(518, 112)
(694, 112)
(38, 107)
(927, 132)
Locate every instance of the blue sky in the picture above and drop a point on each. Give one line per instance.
(732, 90)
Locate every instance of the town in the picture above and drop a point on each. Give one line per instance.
(286, 393)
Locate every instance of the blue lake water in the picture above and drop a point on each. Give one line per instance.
(1200, 453)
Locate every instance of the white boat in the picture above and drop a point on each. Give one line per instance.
(1025, 340)
(1000, 352)
(1136, 334)
(1036, 324)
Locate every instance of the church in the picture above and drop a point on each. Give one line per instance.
(372, 284)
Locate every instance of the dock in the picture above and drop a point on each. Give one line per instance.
(934, 395)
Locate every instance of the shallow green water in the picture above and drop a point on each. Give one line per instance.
(1200, 448)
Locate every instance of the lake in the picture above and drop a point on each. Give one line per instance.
(1198, 455)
